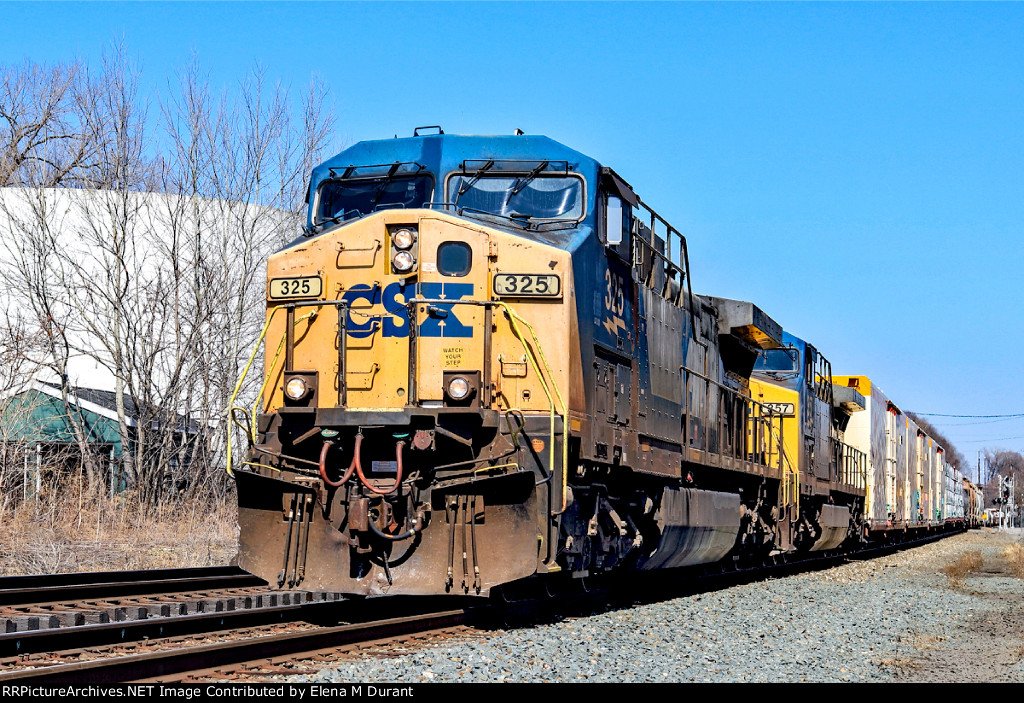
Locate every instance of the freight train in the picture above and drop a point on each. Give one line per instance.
(483, 362)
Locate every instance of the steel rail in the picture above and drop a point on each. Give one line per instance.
(172, 662)
(31, 590)
(61, 639)
(882, 550)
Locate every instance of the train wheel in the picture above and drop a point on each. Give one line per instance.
(581, 585)
(500, 595)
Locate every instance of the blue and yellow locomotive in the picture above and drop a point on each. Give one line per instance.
(484, 362)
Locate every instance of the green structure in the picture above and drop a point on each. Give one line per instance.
(37, 427)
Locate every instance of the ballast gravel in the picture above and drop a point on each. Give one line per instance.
(893, 618)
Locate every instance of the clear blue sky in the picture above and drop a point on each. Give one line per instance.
(857, 170)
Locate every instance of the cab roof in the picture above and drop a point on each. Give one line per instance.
(443, 153)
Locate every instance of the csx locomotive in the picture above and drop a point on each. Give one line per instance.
(484, 361)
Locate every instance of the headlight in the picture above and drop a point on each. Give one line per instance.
(403, 239)
(403, 261)
(458, 388)
(296, 388)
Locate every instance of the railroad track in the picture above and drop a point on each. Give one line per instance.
(120, 626)
(176, 663)
(36, 611)
(19, 590)
(254, 642)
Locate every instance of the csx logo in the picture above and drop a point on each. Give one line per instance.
(394, 297)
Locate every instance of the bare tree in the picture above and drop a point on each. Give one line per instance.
(164, 291)
(17, 367)
(47, 132)
(37, 287)
(1000, 463)
(238, 166)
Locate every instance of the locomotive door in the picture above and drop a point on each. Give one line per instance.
(449, 335)
(817, 424)
(614, 377)
(614, 336)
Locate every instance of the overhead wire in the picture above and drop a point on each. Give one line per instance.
(944, 415)
(982, 422)
(994, 439)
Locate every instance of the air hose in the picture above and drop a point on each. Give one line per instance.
(398, 478)
(395, 538)
(351, 467)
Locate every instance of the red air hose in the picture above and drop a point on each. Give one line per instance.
(398, 478)
(351, 467)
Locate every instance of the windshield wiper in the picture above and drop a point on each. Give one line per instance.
(555, 225)
(515, 220)
(384, 183)
(523, 182)
(466, 185)
(336, 219)
(781, 374)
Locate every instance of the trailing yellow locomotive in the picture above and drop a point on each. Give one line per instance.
(484, 362)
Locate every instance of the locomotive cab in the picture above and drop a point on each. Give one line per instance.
(826, 498)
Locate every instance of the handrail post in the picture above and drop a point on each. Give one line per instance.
(485, 382)
(342, 355)
(289, 344)
(686, 411)
(413, 344)
(707, 414)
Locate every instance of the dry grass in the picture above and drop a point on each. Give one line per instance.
(927, 641)
(901, 666)
(963, 565)
(1014, 555)
(67, 530)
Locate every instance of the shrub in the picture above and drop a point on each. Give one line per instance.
(963, 565)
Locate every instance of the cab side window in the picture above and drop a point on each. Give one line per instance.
(454, 259)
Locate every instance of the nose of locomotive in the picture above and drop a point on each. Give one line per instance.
(413, 367)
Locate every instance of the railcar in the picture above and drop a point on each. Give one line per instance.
(953, 499)
(910, 485)
(974, 504)
(483, 362)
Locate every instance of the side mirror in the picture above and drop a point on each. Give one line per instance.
(613, 222)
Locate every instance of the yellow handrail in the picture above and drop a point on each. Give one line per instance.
(270, 371)
(245, 372)
(791, 482)
(241, 379)
(513, 317)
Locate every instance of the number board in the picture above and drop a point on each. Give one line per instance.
(306, 287)
(525, 285)
(782, 408)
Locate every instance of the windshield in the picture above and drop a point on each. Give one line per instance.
(539, 197)
(339, 199)
(778, 360)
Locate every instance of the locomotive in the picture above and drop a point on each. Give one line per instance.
(484, 362)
